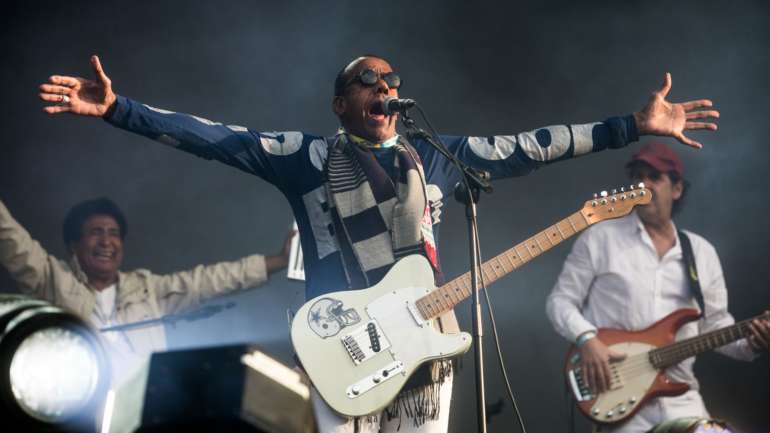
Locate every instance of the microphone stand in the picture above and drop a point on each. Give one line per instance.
(467, 192)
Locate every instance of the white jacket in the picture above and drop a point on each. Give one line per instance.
(141, 295)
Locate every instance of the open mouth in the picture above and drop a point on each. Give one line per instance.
(375, 110)
(104, 255)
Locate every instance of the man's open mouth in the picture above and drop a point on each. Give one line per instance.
(375, 109)
(104, 255)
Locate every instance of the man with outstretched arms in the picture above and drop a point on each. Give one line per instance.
(366, 196)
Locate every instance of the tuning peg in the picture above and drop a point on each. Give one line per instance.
(596, 195)
(614, 191)
(622, 189)
(641, 185)
(603, 193)
(631, 187)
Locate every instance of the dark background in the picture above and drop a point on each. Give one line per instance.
(476, 68)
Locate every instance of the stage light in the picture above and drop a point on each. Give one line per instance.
(54, 372)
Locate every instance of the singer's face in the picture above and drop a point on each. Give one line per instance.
(360, 106)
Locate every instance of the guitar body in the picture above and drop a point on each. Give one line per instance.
(359, 347)
(635, 379)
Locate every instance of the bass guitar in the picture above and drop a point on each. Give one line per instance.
(640, 377)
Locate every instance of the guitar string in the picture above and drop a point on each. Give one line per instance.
(554, 228)
(636, 364)
(670, 356)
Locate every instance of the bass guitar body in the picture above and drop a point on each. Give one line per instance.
(635, 379)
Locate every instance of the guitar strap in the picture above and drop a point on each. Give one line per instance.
(691, 270)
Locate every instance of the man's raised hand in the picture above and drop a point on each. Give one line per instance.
(79, 95)
(661, 117)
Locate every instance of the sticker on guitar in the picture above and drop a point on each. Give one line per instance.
(328, 316)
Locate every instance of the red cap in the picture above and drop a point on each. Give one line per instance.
(660, 157)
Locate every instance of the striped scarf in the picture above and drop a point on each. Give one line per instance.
(377, 220)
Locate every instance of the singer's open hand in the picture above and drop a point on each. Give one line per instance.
(661, 117)
(79, 95)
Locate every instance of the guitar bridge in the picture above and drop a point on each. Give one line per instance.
(579, 388)
(365, 342)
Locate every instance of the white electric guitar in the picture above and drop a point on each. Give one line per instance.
(359, 347)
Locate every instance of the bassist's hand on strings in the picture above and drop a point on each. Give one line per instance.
(759, 340)
(596, 357)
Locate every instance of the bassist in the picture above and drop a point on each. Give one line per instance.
(629, 273)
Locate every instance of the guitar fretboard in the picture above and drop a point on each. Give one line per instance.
(445, 298)
(681, 350)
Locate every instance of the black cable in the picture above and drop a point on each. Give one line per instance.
(481, 278)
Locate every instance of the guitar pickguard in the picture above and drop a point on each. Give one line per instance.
(631, 379)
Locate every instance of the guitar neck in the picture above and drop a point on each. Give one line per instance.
(447, 296)
(681, 350)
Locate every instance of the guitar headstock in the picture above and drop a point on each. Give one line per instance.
(615, 204)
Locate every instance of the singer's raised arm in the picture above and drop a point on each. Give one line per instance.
(518, 154)
(295, 162)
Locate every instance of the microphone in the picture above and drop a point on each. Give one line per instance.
(391, 105)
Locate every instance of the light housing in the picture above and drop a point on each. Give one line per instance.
(54, 371)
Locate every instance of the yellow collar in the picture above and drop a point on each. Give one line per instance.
(368, 144)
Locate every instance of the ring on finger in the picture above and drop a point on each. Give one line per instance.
(65, 99)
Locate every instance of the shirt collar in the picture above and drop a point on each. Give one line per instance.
(368, 144)
(638, 227)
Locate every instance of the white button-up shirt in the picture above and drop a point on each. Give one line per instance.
(613, 278)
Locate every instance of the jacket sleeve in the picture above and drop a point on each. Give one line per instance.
(564, 304)
(273, 156)
(519, 154)
(186, 289)
(27, 262)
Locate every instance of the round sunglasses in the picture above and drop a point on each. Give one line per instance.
(370, 77)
